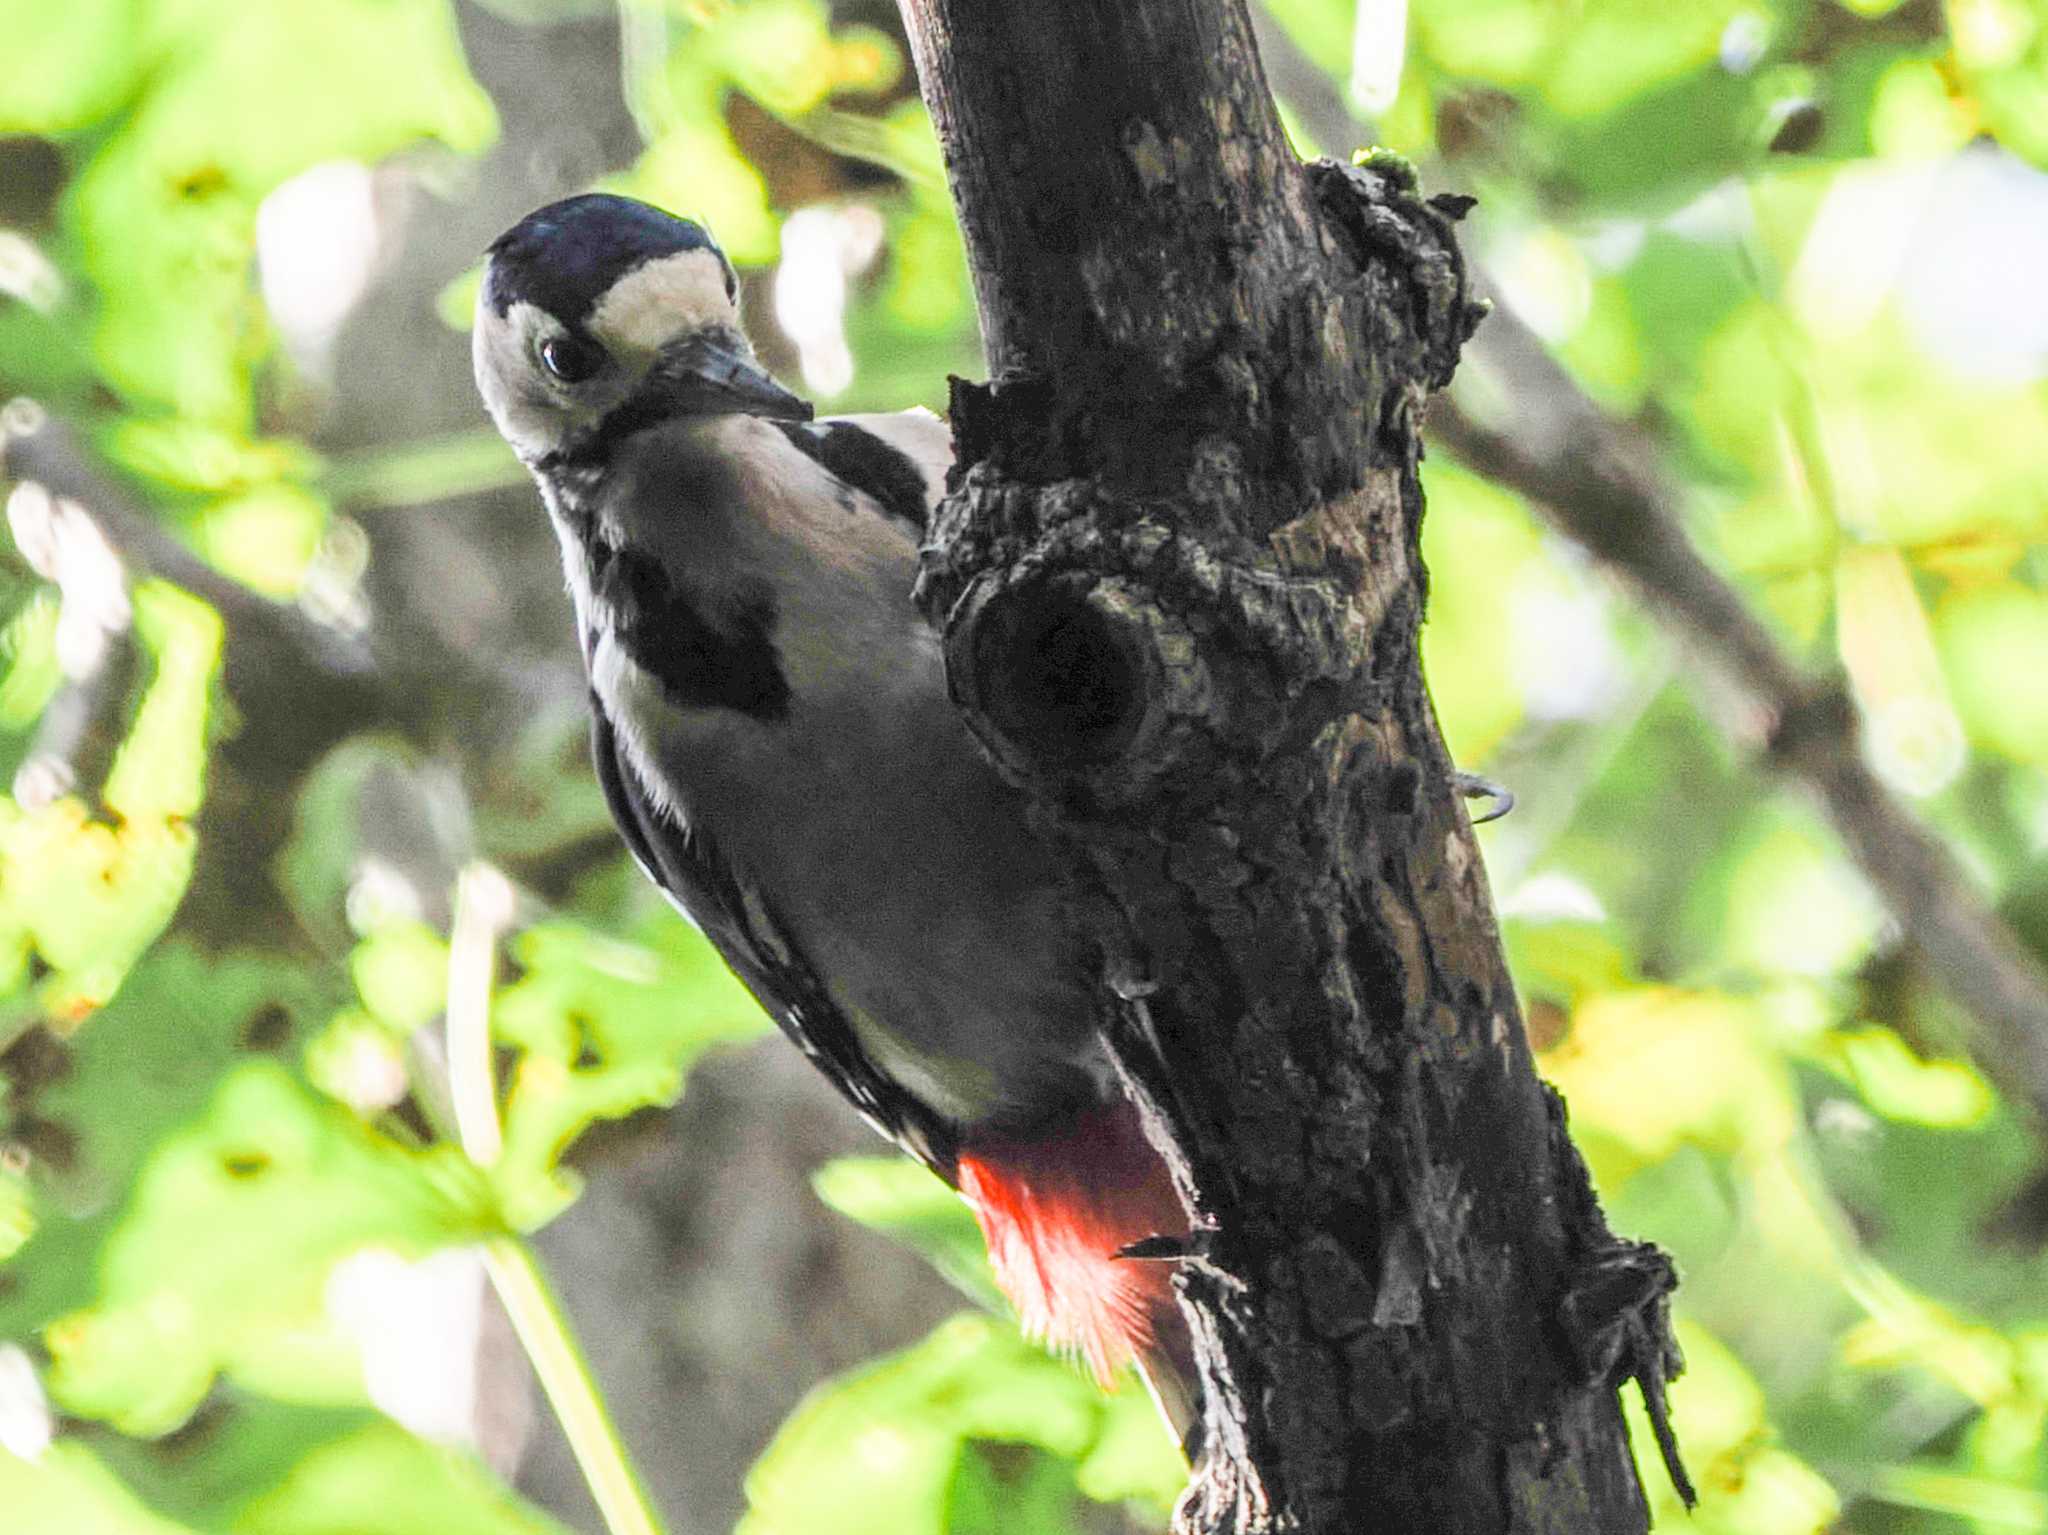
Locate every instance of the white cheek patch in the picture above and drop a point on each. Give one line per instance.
(507, 377)
(654, 303)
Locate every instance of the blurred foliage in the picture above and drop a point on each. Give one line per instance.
(1799, 241)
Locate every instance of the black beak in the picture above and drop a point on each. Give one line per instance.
(710, 377)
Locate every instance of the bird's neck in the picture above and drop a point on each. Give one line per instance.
(671, 595)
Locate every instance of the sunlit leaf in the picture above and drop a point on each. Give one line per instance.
(1654, 1067)
(1466, 642)
(1785, 901)
(905, 1201)
(1899, 1085)
(787, 55)
(1991, 638)
(2001, 50)
(382, 1481)
(879, 1450)
(1748, 1484)
(287, 1186)
(159, 770)
(605, 1028)
(401, 973)
(265, 538)
(698, 171)
(67, 65)
(69, 1489)
(238, 100)
(89, 896)
(29, 647)
(17, 1212)
(182, 454)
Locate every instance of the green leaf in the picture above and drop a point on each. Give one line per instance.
(880, 1450)
(1652, 1067)
(265, 537)
(1134, 1459)
(401, 973)
(145, 1064)
(1565, 960)
(1923, 1197)
(1748, 1484)
(1467, 645)
(33, 673)
(605, 1028)
(905, 1201)
(66, 65)
(2001, 52)
(236, 99)
(17, 1211)
(696, 169)
(92, 897)
(1989, 636)
(1789, 903)
(1006, 1489)
(382, 1481)
(158, 772)
(239, 1450)
(69, 1489)
(288, 1186)
(1942, 1094)
(155, 1056)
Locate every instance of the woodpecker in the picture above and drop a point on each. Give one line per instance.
(771, 726)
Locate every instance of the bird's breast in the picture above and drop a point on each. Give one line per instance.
(897, 864)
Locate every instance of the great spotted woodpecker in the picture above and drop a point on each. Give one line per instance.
(773, 732)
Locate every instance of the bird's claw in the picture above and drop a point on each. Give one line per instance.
(1472, 786)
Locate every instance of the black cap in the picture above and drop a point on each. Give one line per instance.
(568, 255)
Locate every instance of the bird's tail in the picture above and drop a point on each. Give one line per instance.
(1056, 1211)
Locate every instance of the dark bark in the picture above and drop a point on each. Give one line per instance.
(1180, 586)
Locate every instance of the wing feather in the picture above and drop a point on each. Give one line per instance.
(899, 461)
(687, 867)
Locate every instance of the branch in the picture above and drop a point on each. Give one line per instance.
(37, 448)
(1601, 484)
(1598, 484)
(299, 685)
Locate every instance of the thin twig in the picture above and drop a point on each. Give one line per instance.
(483, 905)
(37, 447)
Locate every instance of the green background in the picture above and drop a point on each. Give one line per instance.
(1798, 247)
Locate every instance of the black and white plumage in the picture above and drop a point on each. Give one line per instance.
(775, 739)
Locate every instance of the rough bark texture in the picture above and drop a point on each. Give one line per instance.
(1180, 585)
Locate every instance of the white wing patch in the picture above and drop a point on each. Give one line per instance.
(634, 703)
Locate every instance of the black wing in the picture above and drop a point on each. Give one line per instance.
(862, 459)
(685, 864)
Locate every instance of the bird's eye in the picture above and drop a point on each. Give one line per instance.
(572, 359)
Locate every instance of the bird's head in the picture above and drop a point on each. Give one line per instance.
(600, 316)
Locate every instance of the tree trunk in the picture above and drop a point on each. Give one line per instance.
(1179, 582)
